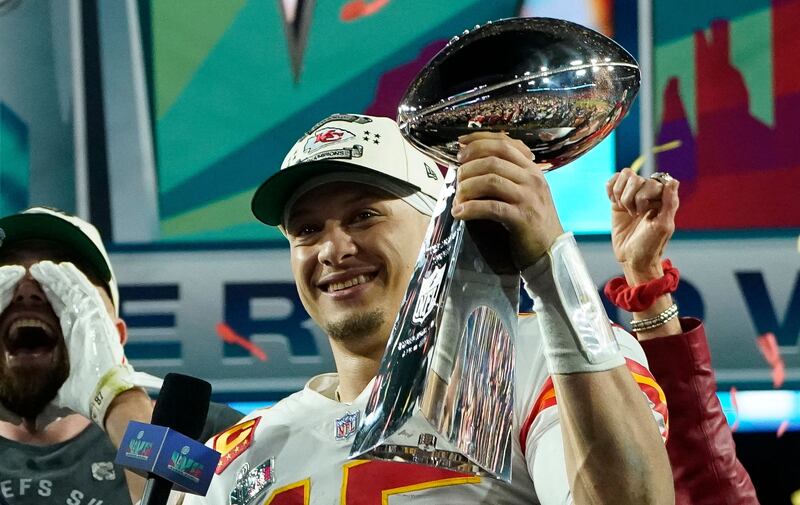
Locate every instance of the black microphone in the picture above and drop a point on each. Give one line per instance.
(182, 405)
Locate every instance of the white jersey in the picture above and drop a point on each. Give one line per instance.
(297, 452)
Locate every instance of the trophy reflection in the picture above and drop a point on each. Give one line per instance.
(558, 87)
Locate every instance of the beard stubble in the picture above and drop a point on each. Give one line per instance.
(26, 392)
(354, 328)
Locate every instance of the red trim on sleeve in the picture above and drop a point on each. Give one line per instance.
(545, 399)
(644, 379)
(652, 390)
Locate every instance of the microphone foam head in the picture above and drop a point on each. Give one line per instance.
(182, 404)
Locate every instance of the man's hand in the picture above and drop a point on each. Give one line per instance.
(498, 181)
(642, 222)
(98, 368)
(10, 275)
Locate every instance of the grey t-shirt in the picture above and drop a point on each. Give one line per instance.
(80, 471)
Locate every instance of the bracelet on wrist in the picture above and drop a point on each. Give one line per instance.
(641, 297)
(654, 322)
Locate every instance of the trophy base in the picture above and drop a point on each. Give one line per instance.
(429, 456)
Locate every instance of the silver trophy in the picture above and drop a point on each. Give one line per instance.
(559, 87)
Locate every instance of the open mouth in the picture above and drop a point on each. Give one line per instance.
(333, 287)
(30, 337)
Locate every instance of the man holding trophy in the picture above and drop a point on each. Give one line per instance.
(355, 213)
(447, 394)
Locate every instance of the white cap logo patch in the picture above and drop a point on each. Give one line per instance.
(324, 137)
(349, 145)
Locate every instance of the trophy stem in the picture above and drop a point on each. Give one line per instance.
(444, 393)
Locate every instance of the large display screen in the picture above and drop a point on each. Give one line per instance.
(235, 85)
(727, 86)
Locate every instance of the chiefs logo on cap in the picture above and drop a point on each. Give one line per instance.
(324, 137)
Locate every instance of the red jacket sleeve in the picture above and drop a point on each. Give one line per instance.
(700, 445)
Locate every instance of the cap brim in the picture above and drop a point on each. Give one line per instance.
(271, 197)
(21, 227)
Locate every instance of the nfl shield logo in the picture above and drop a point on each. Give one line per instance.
(347, 425)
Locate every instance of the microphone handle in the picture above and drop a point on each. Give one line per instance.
(156, 491)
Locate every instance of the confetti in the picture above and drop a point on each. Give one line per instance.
(356, 9)
(669, 146)
(229, 336)
(769, 349)
(735, 425)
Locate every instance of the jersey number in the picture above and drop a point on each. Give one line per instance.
(372, 482)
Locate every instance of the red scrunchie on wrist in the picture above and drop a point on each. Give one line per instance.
(641, 297)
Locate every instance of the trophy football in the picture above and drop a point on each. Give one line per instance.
(560, 88)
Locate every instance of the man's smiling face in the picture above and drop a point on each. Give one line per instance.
(353, 248)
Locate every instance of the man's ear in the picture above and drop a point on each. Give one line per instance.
(122, 329)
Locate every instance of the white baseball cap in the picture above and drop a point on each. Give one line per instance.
(347, 148)
(78, 236)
